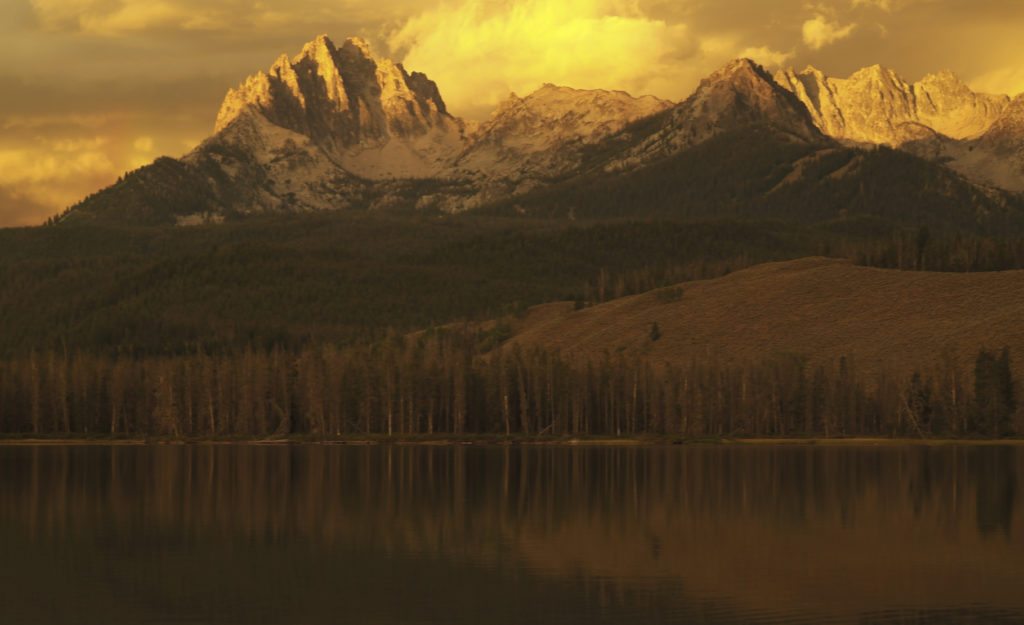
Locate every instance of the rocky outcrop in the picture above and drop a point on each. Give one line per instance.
(340, 96)
(1006, 135)
(996, 158)
(347, 102)
(334, 127)
(738, 95)
(875, 105)
(543, 134)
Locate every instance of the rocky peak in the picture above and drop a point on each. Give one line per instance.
(743, 93)
(878, 77)
(876, 105)
(541, 133)
(1006, 135)
(739, 95)
(340, 97)
(589, 114)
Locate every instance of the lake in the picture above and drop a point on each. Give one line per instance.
(307, 534)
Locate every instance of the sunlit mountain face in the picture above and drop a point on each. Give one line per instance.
(336, 127)
(102, 88)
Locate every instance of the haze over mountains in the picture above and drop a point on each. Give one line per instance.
(334, 127)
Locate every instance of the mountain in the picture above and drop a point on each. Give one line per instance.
(371, 117)
(995, 158)
(738, 95)
(336, 128)
(542, 133)
(980, 136)
(876, 106)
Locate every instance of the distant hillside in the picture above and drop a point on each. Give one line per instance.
(818, 308)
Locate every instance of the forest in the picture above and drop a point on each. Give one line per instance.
(350, 278)
(464, 382)
(312, 325)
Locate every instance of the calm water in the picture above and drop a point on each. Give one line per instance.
(314, 534)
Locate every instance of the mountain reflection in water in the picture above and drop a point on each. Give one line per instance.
(419, 534)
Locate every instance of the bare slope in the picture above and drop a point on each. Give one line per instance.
(821, 308)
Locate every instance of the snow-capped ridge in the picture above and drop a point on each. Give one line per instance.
(876, 105)
(736, 96)
(334, 126)
(541, 134)
(341, 97)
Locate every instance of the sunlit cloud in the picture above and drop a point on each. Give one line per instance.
(56, 164)
(49, 163)
(1009, 80)
(17, 209)
(889, 6)
(39, 181)
(885, 5)
(820, 32)
(478, 52)
(117, 17)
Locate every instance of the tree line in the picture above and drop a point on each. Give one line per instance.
(465, 382)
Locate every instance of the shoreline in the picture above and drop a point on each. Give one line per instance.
(494, 441)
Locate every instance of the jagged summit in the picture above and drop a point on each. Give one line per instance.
(1008, 131)
(738, 95)
(340, 97)
(876, 105)
(334, 126)
(541, 133)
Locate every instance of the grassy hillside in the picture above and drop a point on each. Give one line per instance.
(816, 309)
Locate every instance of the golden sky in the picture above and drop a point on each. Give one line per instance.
(94, 88)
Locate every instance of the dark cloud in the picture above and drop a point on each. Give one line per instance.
(21, 211)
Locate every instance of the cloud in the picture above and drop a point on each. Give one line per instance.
(890, 6)
(479, 51)
(53, 176)
(49, 163)
(885, 5)
(19, 210)
(1008, 80)
(121, 17)
(767, 57)
(58, 162)
(112, 16)
(820, 32)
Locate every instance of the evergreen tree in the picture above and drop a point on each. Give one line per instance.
(993, 393)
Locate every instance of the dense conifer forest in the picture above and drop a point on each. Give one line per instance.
(463, 382)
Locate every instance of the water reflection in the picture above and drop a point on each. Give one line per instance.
(289, 534)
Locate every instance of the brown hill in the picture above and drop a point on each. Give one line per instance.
(823, 309)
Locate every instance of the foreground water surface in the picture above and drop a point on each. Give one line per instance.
(392, 534)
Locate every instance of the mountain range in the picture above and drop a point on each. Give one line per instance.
(334, 127)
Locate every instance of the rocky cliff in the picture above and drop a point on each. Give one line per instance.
(543, 133)
(875, 105)
(738, 95)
